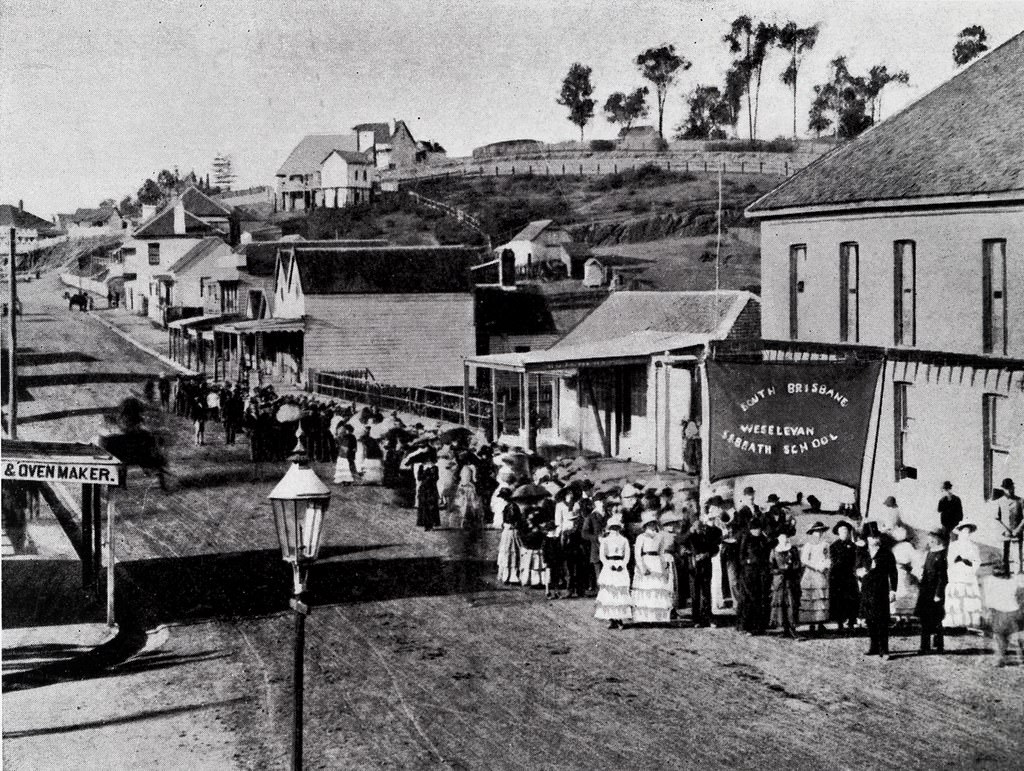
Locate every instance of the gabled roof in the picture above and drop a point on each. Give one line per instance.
(532, 230)
(161, 225)
(309, 154)
(965, 138)
(101, 214)
(530, 310)
(349, 156)
(626, 313)
(12, 216)
(197, 205)
(400, 126)
(384, 270)
(381, 131)
(196, 254)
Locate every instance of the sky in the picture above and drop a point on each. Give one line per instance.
(98, 95)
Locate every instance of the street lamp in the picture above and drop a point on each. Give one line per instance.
(299, 502)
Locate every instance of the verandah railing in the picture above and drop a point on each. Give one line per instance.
(435, 403)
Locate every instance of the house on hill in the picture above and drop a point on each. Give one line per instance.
(405, 314)
(625, 382)
(538, 243)
(85, 223)
(326, 170)
(165, 251)
(31, 232)
(906, 245)
(640, 138)
(612, 270)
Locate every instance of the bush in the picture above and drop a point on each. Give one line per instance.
(777, 145)
(602, 145)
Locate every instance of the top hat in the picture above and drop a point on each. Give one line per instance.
(773, 498)
(748, 490)
(1007, 484)
(947, 485)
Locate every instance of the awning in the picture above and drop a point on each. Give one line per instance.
(636, 348)
(262, 325)
(60, 461)
(168, 277)
(198, 323)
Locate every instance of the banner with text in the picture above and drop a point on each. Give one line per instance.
(805, 419)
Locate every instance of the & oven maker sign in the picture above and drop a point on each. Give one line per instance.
(804, 419)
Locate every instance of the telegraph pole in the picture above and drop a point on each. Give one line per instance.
(12, 347)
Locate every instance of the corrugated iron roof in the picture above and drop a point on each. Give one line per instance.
(532, 230)
(385, 270)
(310, 153)
(963, 138)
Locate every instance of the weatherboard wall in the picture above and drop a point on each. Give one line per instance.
(407, 340)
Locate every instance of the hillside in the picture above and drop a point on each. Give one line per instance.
(632, 206)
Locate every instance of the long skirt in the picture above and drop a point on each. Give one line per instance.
(533, 571)
(963, 604)
(468, 508)
(844, 597)
(907, 590)
(373, 471)
(814, 597)
(753, 616)
(342, 471)
(427, 513)
(509, 553)
(654, 595)
(785, 602)
(614, 601)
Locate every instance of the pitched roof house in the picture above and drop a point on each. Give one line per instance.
(623, 382)
(907, 245)
(327, 170)
(30, 230)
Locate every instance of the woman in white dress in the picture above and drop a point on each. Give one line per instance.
(654, 586)
(509, 546)
(814, 581)
(614, 603)
(963, 594)
(908, 570)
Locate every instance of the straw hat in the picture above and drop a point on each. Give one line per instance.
(614, 521)
(670, 517)
(817, 527)
(648, 517)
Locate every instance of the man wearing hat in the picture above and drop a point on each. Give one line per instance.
(878, 575)
(844, 593)
(755, 550)
(746, 511)
(778, 519)
(702, 543)
(931, 598)
(1011, 516)
(951, 510)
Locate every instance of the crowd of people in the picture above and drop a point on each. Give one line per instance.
(645, 554)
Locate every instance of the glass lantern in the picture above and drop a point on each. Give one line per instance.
(299, 502)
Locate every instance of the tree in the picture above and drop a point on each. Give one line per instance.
(660, 66)
(127, 207)
(168, 182)
(223, 174)
(708, 113)
(842, 102)
(878, 78)
(576, 91)
(753, 42)
(107, 203)
(970, 43)
(796, 41)
(150, 193)
(732, 94)
(627, 108)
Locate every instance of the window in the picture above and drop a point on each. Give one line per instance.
(255, 304)
(849, 293)
(901, 424)
(202, 285)
(797, 254)
(993, 300)
(229, 297)
(997, 435)
(904, 293)
(154, 254)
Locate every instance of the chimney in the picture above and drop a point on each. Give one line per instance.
(21, 205)
(179, 219)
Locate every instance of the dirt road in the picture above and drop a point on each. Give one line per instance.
(416, 659)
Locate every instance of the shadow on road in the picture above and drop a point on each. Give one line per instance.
(57, 357)
(147, 715)
(81, 378)
(62, 414)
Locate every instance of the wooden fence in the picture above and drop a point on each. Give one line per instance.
(423, 402)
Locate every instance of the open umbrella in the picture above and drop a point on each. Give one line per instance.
(529, 492)
(456, 434)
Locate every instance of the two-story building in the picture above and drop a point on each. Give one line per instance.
(30, 231)
(327, 170)
(907, 245)
(163, 260)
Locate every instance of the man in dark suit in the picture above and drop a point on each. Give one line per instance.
(844, 594)
(932, 592)
(702, 543)
(877, 571)
(951, 510)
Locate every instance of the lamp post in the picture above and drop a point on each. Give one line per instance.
(299, 502)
